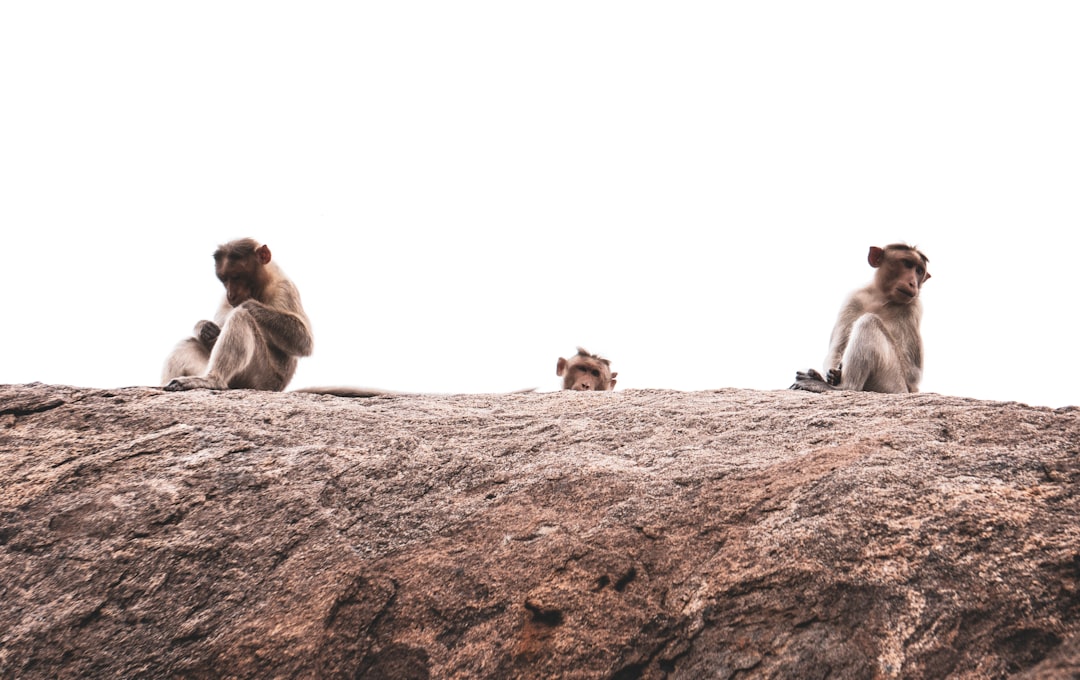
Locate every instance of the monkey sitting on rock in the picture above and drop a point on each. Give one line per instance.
(876, 345)
(259, 332)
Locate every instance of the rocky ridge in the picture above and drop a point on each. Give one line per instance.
(634, 534)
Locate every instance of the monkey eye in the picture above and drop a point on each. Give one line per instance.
(595, 372)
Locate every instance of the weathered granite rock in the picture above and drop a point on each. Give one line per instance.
(637, 534)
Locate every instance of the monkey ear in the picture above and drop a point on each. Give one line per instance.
(876, 256)
(560, 367)
(613, 381)
(264, 254)
(926, 278)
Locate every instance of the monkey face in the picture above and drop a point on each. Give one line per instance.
(908, 280)
(584, 375)
(238, 282)
(241, 267)
(586, 372)
(901, 276)
(584, 379)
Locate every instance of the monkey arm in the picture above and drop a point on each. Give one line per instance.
(837, 344)
(853, 308)
(286, 331)
(911, 340)
(914, 373)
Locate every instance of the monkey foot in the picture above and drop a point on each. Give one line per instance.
(811, 381)
(190, 383)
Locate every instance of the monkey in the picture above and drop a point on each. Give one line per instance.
(259, 332)
(586, 372)
(875, 344)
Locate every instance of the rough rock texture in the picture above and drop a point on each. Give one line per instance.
(637, 534)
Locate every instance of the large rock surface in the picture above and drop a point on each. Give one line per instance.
(650, 534)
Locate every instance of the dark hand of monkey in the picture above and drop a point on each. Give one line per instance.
(207, 332)
(810, 381)
(833, 376)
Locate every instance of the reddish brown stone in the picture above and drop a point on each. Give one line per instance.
(635, 534)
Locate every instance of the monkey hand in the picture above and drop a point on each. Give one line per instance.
(833, 376)
(207, 332)
(810, 381)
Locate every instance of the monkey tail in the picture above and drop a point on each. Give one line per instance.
(350, 392)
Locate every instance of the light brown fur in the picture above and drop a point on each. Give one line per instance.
(259, 332)
(586, 372)
(876, 345)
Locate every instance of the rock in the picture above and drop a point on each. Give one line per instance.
(634, 534)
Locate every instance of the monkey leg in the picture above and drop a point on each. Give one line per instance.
(189, 358)
(243, 359)
(870, 360)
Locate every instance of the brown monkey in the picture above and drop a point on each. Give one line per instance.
(257, 335)
(586, 372)
(876, 345)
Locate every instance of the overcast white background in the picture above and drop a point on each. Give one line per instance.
(465, 191)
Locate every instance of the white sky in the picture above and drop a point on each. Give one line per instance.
(465, 191)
